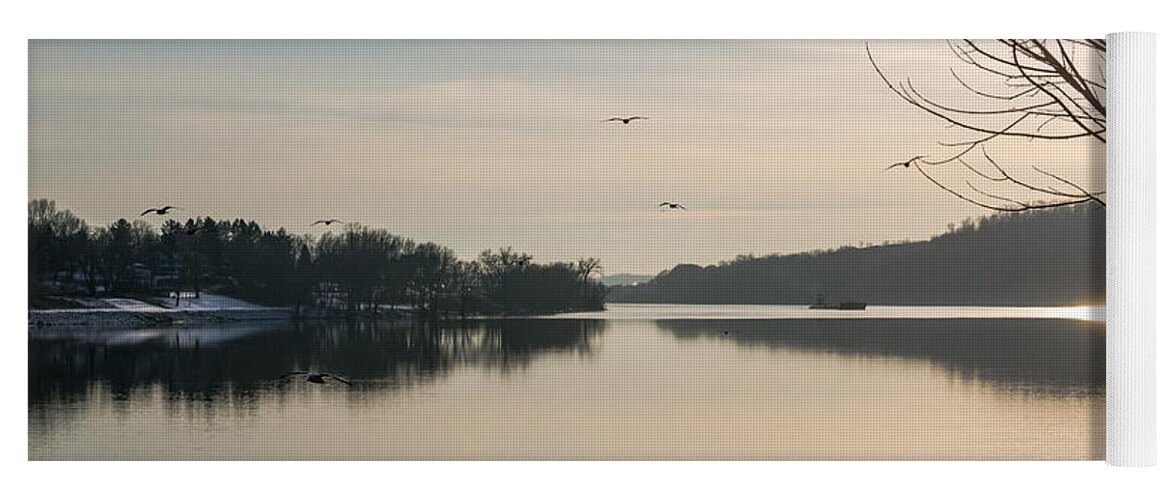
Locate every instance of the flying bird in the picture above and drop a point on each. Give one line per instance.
(325, 221)
(625, 121)
(905, 164)
(159, 211)
(317, 378)
(672, 206)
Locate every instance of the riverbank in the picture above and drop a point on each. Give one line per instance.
(122, 318)
(132, 313)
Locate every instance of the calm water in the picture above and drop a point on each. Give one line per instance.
(700, 382)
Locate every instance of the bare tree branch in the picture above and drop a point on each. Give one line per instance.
(1045, 95)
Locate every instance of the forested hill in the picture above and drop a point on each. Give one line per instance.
(1047, 257)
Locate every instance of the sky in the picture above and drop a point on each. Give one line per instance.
(773, 146)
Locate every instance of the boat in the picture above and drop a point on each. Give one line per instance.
(837, 306)
(841, 306)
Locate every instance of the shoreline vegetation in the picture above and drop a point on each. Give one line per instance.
(356, 272)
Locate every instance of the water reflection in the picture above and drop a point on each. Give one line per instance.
(1030, 354)
(240, 359)
(574, 388)
(1046, 355)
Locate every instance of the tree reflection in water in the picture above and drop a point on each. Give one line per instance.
(237, 361)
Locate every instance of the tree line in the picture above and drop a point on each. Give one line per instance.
(1045, 257)
(357, 270)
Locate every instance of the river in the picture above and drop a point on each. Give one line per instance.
(633, 382)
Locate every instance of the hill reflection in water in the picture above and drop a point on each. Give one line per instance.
(1030, 354)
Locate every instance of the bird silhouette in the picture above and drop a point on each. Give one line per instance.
(672, 206)
(905, 164)
(325, 221)
(625, 121)
(159, 211)
(317, 378)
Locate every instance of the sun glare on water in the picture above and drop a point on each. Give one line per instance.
(1083, 313)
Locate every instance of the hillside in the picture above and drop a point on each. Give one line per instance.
(1049, 257)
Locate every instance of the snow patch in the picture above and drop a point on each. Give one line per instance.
(209, 302)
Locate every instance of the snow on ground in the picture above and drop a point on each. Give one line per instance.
(208, 302)
(131, 305)
(154, 311)
(205, 302)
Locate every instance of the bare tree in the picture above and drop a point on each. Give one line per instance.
(1047, 90)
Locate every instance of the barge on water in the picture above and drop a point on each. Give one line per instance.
(838, 306)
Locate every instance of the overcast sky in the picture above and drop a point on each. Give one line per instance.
(773, 146)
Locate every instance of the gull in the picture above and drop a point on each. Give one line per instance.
(325, 221)
(625, 121)
(905, 164)
(159, 211)
(672, 206)
(317, 378)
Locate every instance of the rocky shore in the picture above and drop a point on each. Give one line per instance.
(123, 318)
